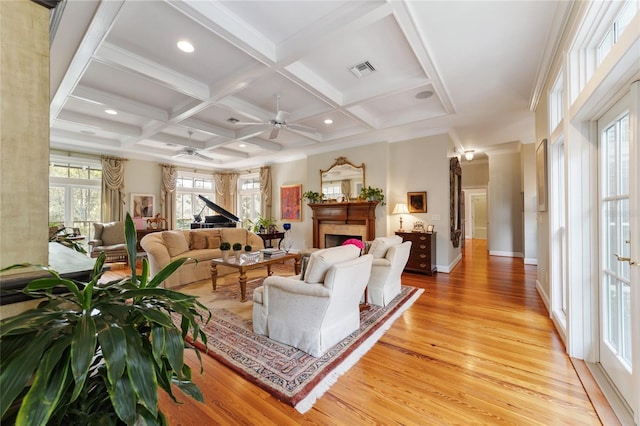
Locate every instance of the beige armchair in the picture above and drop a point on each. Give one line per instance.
(390, 256)
(109, 238)
(315, 313)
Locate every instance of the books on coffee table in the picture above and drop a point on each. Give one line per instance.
(271, 252)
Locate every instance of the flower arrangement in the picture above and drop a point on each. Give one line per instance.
(247, 248)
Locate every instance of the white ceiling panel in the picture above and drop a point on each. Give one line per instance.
(479, 58)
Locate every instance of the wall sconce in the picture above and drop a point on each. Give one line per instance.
(469, 155)
(400, 208)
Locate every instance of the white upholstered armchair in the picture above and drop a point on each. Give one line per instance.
(315, 313)
(390, 255)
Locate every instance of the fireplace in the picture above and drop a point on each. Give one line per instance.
(341, 221)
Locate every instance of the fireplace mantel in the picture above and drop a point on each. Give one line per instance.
(351, 213)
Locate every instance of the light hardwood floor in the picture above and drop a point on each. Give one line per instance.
(477, 347)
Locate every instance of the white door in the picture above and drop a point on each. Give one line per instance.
(617, 287)
(479, 216)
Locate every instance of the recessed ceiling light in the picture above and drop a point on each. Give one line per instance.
(111, 111)
(328, 121)
(424, 94)
(185, 46)
(242, 145)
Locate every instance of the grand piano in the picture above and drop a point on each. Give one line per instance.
(224, 218)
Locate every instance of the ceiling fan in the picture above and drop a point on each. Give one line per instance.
(190, 151)
(278, 122)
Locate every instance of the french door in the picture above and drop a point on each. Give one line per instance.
(618, 192)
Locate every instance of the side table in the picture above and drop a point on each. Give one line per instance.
(267, 237)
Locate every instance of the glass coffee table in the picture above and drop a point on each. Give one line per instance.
(246, 265)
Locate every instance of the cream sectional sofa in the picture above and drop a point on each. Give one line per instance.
(200, 244)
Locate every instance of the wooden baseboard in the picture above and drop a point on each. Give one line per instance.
(600, 403)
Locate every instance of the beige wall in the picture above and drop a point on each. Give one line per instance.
(422, 165)
(142, 177)
(542, 218)
(504, 203)
(530, 203)
(24, 132)
(475, 174)
(24, 138)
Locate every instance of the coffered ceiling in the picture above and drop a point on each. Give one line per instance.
(469, 69)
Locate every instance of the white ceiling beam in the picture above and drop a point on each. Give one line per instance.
(120, 58)
(100, 123)
(227, 152)
(268, 145)
(97, 31)
(194, 123)
(417, 40)
(59, 135)
(218, 19)
(246, 109)
(349, 18)
(119, 103)
(176, 140)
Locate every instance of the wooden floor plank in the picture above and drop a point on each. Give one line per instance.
(477, 347)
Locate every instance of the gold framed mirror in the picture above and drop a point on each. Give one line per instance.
(455, 184)
(342, 181)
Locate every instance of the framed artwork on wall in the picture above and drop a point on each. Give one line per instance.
(417, 202)
(541, 175)
(143, 205)
(291, 202)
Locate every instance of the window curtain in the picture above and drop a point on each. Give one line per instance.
(226, 190)
(112, 186)
(168, 194)
(265, 191)
(345, 187)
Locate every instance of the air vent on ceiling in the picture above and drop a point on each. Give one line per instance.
(362, 69)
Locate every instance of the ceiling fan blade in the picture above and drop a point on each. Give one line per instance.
(301, 128)
(204, 157)
(274, 132)
(181, 154)
(281, 116)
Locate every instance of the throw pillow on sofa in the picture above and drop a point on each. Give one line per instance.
(198, 241)
(112, 233)
(175, 242)
(213, 242)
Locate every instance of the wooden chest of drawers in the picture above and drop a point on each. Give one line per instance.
(423, 252)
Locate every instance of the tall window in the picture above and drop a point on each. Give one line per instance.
(188, 204)
(556, 111)
(74, 195)
(249, 199)
(617, 28)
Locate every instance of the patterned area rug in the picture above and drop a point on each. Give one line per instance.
(289, 374)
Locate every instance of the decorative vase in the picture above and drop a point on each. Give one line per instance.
(287, 241)
(225, 255)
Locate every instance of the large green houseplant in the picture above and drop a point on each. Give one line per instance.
(98, 353)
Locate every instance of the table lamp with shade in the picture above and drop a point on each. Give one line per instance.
(400, 208)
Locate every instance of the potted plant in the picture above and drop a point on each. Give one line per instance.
(263, 224)
(312, 197)
(98, 353)
(372, 194)
(224, 248)
(237, 247)
(247, 248)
